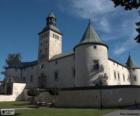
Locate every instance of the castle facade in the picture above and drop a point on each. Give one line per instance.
(88, 64)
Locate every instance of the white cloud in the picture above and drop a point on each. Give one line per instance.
(91, 8)
(120, 50)
(115, 24)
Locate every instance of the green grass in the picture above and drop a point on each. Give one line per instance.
(16, 104)
(62, 112)
(43, 111)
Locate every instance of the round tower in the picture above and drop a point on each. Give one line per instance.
(134, 71)
(91, 54)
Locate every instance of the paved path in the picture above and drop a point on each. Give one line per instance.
(124, 113)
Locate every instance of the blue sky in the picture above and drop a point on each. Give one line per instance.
(21, 20)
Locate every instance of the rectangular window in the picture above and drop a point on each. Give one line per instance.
(31, 78)
(56, 76)
(115, 75)
(118, 76)
(135, 78)
(41, 66)
(73, 72)
(95, 64)
(55, 36)
(123, 77)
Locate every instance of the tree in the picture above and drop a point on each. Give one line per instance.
(129, 5)
(138, 30)
(13, 59)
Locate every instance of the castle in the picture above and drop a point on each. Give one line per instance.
(86, 65)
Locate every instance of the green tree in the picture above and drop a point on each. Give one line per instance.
(129, 5)
(13, 59)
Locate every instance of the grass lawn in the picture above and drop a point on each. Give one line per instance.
(51, 111)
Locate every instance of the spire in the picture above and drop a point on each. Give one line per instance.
(51, 14)
(130, 63)
(90, 35)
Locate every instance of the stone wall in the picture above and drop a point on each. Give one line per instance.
(17, 91)
(114, 96)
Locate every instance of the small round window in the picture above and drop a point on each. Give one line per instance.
(94, 47)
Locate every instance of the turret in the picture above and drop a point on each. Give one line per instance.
(134, 71)
(91, 54)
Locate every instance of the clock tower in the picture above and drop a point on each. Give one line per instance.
(50, 39)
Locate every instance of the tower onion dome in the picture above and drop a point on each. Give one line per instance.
(130, 63)
(51, 24)
(91, 37)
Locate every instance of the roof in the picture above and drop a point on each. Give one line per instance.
(90, 36)
(130, 63)
(51, 27)
(117, 62)
(24, 64)
(59, 56)
(51, 14)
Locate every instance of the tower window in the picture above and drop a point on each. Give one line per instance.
(95, 64)
(55, 36)
(94, 47)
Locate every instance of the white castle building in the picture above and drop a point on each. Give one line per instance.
(88, 64)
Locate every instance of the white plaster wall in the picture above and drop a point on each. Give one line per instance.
(27, 73)
(64, 67)
(14, 74)
(84, 56)
(55, 45)
(113, 66)
(18, 89)
(135, 73)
